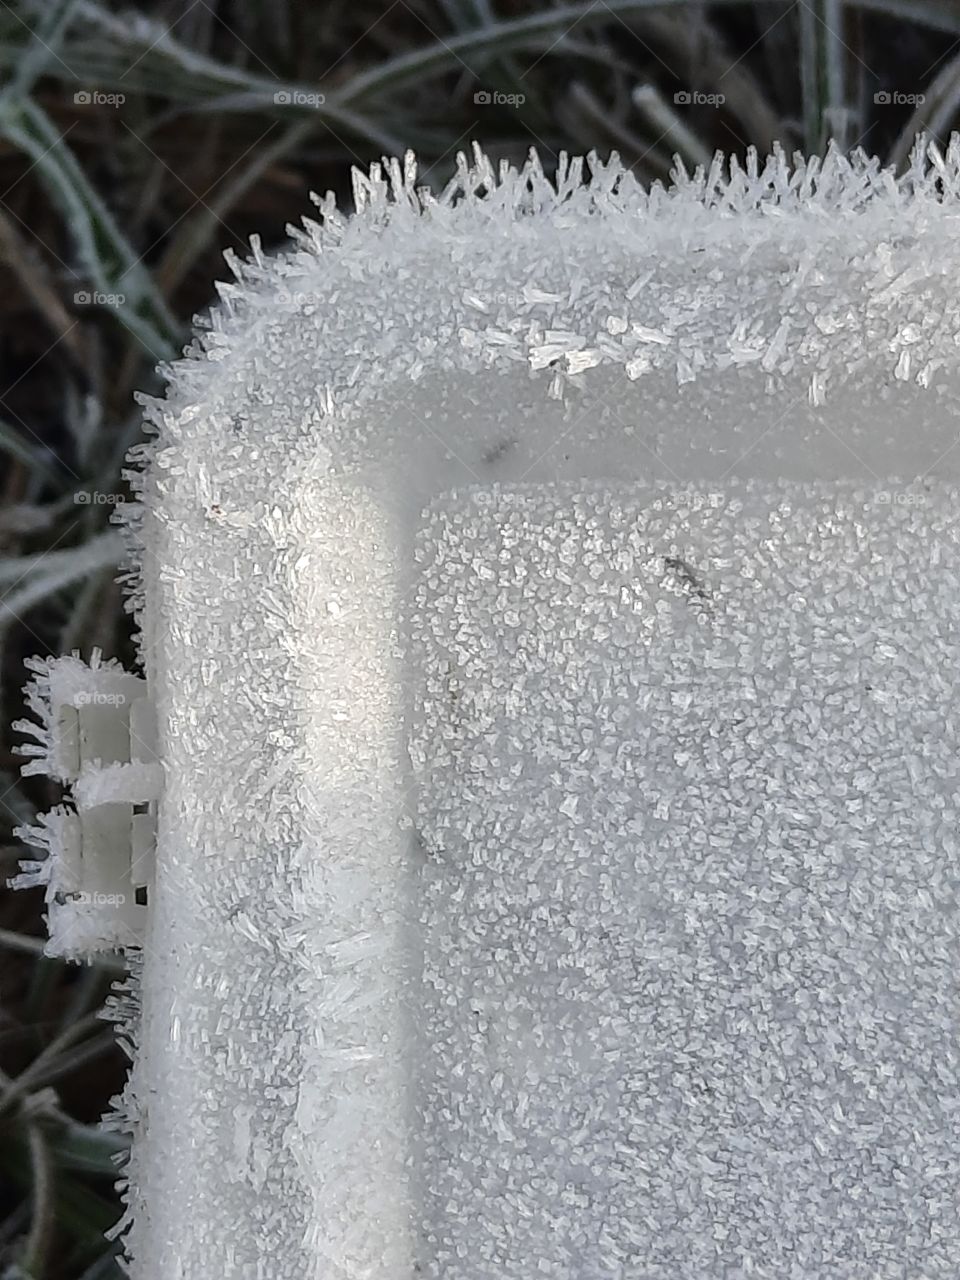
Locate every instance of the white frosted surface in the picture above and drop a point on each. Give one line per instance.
(797, 323)
(688, 808)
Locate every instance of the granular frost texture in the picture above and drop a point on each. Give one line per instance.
(559, 882)
(689, 817)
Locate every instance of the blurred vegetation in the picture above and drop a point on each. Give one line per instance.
(134, 147)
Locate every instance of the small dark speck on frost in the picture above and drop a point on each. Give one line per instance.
(497, 451)
(688, 576)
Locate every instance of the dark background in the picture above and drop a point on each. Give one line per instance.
(135, 146)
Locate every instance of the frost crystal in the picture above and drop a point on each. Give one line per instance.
(687, 800)
(551, 641)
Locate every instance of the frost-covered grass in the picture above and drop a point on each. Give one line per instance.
(134, 148)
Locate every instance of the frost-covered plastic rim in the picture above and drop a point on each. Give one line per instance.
(779, 321)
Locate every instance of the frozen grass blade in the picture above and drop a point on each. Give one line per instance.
(822, 73)
(38, 1241)
(540, 32)
(12, 443)
(933, 116)
(99, 552)
(669, 127)
(929, 13)
(585, 114)
(87, 1149)
(41, 48)
(719, 71)
(112, 265)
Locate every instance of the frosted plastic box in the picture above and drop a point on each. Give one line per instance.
(550, 602)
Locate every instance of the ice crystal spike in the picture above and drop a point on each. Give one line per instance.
(549, 603)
